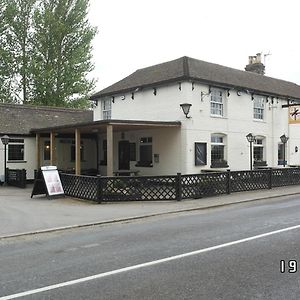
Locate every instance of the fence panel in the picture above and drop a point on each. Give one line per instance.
(138, 188)
(202, 185)
(285, 176)
(249, 180)
(84, 187)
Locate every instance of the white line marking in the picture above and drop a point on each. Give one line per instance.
(143, 265)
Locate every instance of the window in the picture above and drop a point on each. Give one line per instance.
(258, 151)
(73, 151)
(145, 152)
(200, 154)
(217, 102)
(106, 109)
(258, 108)
(218, 151)
(16, 149)
(47, 150)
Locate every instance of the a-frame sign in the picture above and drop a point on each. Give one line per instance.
(47, 182)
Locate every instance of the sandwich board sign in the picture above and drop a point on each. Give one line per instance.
(49, 183)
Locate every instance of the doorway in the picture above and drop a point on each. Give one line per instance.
(124, 155)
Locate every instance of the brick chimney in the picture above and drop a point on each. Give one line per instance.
(255, 65)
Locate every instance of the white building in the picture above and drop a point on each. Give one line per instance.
(139, 126)
(226, 105)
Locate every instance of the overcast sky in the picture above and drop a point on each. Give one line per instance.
(134, 34)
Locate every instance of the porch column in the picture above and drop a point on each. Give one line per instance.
(110, 155)
(52, 149)
(77, 152)
(38, 150)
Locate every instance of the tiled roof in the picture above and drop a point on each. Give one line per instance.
(20, 119)
(186, 68)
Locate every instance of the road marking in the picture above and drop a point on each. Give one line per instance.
(90, 246)
(143, 265)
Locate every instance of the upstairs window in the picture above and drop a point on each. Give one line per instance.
(258, 108)
(16, 149)
(216, 102)
(106, 109)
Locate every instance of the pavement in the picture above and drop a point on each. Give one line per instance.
(21, 215)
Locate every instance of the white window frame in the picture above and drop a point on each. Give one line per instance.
(259, 145)
(217, 102)
(218, 139)
(106, 109)
(259, 108)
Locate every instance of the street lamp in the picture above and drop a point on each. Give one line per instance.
(250, 138)
(284, 140)
(5, 140)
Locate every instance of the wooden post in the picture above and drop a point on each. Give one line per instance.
(38, 150)
(110, 156)
(77, 152)
(52, 149)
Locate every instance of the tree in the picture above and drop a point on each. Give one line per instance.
(18, 17)
(45, 48)
(62, 58)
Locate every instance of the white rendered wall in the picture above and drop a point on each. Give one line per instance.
(237, 122)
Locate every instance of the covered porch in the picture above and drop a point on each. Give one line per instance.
(111, 147)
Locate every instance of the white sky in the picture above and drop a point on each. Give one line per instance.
(134, 34)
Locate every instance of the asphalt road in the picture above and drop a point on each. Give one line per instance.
(233, 259)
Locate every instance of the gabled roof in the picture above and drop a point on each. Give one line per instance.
(20, 119)
(186, 68)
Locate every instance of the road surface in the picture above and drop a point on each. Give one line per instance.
(245, 251)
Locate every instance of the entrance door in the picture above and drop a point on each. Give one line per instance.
(124, 155)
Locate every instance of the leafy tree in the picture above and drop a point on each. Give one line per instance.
(18, 17)
(62, 59)
(45, 48)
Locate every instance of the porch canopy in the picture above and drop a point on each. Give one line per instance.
(94, 128)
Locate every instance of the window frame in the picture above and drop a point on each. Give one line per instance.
(218, 140)
(145, 142)
(106, 106)
(217, 108)
(259, 108)
(259, 146)
(16, 142)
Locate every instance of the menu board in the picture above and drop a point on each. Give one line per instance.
(52, 180)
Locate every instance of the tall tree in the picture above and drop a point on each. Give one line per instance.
(62, 57)
(18, 16)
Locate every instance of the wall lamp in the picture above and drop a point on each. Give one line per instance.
(186, 109)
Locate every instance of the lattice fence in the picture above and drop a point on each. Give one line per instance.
(84, 187)
(138, 188)
(285, 176)
(202, 185)
(130, 188)
(249, 180)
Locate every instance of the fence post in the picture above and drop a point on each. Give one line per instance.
(270, 179)
(178, 187)
(99, 189)
(228, 188)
